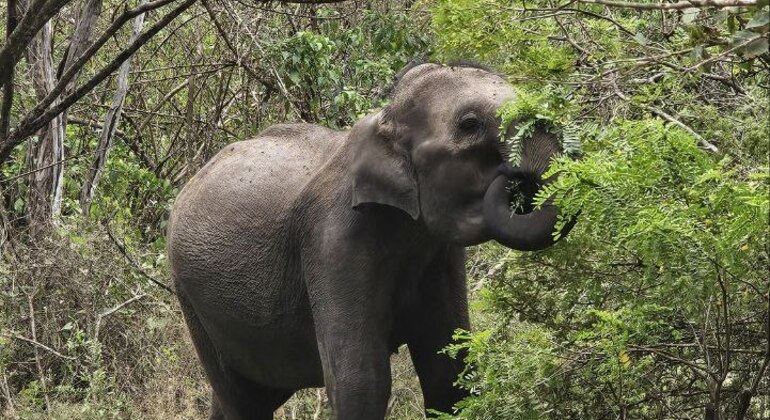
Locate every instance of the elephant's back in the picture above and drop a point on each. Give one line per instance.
(256, 180)
(230, 223)
(279, 162)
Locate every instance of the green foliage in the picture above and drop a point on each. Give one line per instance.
(111, 363)
(549, 108)
(704, 212)
(653, 307)
(511, 367)
(340, 73)
(192, 89)
(642, 306)
(667, 238)
(490, 31)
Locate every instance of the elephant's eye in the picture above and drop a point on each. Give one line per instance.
(470, 123)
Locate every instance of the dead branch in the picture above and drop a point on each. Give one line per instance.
(40, 12)
(666, 116)
(137, 267)
(37, 344)
(112, 310)
(75, 66)
(110, 126)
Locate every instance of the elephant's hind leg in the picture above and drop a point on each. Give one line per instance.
(233, 396)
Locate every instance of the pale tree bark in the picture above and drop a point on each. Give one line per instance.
(22, 36)
(81, 37)
(46, 110)
(43, 153)
(45, 157)
(110, 126)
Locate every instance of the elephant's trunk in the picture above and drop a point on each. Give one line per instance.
(532, 231)
(529, 230)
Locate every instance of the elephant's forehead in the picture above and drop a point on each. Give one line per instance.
(453, 86)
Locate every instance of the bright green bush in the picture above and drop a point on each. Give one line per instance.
(656, 304)
(669, 243)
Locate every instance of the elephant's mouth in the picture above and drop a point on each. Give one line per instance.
(510, 215)
(523, 187)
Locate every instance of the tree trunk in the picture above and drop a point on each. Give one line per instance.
(81, 37)
(44, 155)
(110, 126)
(46, 185)
(7, 73)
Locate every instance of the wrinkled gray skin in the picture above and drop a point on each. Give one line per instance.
(306, 256)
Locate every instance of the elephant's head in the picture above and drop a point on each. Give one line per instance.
(435, 153)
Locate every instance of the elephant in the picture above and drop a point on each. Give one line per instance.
(306, 256)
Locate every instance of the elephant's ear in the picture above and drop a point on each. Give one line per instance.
(382, 169)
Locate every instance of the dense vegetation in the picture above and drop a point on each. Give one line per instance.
(655, 306)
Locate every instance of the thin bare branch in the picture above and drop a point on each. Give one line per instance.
(110, 126)
(666, 116)
(112, 310)
(40, 12)
(37, 344)
(122, 249)
(74, 65)
(7, 73)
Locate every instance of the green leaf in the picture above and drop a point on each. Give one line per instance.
(751, 48)
(759, 20)
(755, 48)
(641, 39)
(689, 15)
(741, 37)
(294, 76)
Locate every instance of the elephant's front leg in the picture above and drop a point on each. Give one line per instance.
(356, 370)
(442, 309)
(351, 323)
